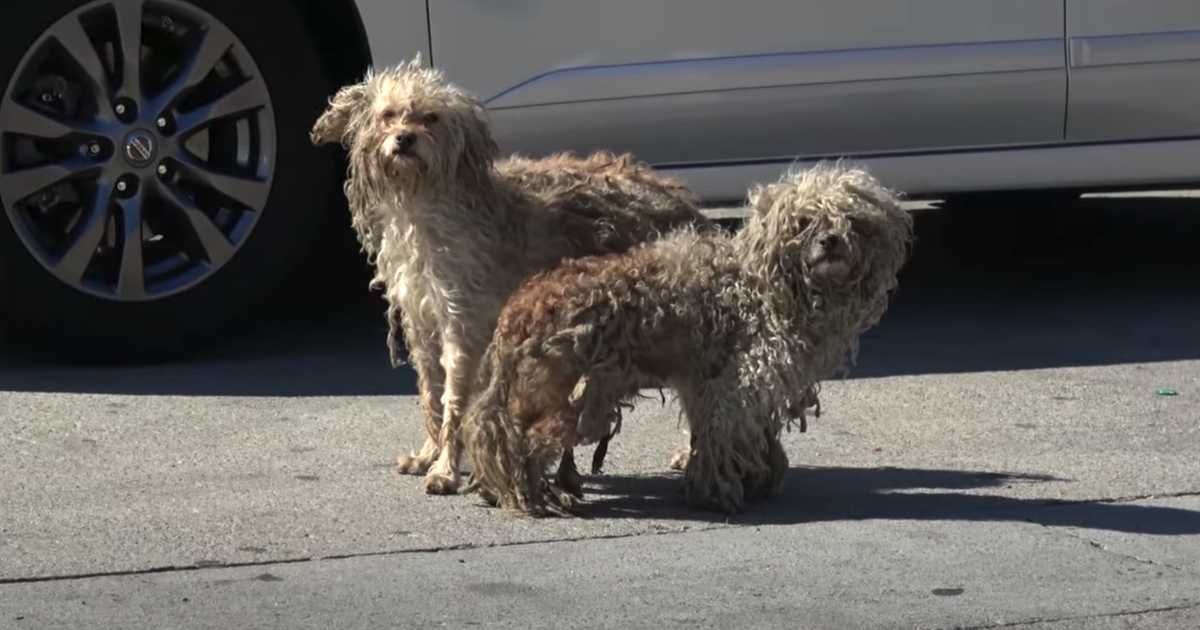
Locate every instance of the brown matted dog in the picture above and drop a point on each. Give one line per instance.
(741, 327)
(452, 231)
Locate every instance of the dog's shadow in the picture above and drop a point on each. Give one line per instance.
(816, 494)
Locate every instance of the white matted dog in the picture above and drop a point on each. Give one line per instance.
(452, 232)
(742, 327)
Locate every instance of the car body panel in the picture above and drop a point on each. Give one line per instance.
(397, 30)
(538, 36)
(940, 95)
(818, 118)
(1133, 69)
(697, 81)
(1092, 18)
(571, 85)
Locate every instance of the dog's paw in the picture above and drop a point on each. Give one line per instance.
(560, 502)
(412, 464)
(720, 496)
(569, 479)
(679, 459)
(489, 497)
(436, 483)
(708, 488)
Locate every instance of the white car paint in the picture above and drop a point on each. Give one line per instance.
(397, 30)
(935, 95)
(1134, 67)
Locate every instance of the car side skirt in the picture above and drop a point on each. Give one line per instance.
(1109, 166)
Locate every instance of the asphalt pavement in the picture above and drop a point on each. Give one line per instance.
(1017, 447)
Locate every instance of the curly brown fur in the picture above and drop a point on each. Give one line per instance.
(741, 327)
(452, 232)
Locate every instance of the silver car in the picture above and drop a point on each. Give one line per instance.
(157, 181)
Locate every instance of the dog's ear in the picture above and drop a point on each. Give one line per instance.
(479, 148)
(334, 124)
(761, 197)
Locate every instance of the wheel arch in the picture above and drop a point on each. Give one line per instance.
(339, 36)
(353, 35)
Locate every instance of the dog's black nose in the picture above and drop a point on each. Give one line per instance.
(405, 141)
(830, 241)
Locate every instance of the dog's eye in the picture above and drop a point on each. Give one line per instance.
(389, 115)
(431, 118)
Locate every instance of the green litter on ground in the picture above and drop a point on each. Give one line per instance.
(1166, 391)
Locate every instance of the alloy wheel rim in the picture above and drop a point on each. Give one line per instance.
(137, 148)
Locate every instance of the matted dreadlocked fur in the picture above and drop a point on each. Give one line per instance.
(452, 232)
(741, 327)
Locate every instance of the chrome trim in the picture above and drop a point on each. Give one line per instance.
(784, 69)
(1112, 50)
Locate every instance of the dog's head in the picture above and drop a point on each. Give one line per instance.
(410, 128)
(830, 231)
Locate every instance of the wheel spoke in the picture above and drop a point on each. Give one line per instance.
(243, 98)
(217, 247)
(129, 23)
(18, 185)
(74, 262)
(250, 192)
(75, 40)
(30, 122)
(214, 43)
(131, 281)
(212, 196)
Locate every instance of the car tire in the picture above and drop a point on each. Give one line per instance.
(106, 313)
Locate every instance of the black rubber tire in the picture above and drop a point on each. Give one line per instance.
(50, 314)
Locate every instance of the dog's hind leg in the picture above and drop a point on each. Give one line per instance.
(568, 477)
(605, 393)
(679, 458)
(548, 437)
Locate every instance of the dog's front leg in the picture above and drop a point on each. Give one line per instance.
(711, 477)
(459, 362)
(431, 384)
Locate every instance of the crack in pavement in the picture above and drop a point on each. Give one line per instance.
(1128, 556)
(1051, 504)
(1129, 499)
(1032, 622)
(351, 556)
(1060, 503)
(1059, 530)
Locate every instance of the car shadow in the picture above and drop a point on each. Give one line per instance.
(1099, 282)
(816, 494)
(319, 353)
(1103, 281)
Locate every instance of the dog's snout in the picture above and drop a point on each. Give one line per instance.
(405, 142)
(831, 241)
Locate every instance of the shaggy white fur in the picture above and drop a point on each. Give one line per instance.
(452, 232)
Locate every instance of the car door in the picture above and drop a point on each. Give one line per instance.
(1134, 69)
(702, 81)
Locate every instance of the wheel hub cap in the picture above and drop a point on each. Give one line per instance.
(139, 148)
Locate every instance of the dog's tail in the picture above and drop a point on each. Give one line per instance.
(495, 444)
